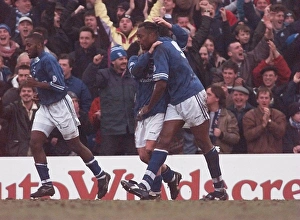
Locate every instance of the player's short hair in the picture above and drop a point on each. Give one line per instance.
(149, 26)
(37, 37)
(43, 31)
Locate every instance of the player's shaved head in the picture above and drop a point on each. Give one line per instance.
(37, 38)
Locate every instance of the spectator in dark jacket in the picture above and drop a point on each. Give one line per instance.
(74, 84)
(291, 140)
(117, 91)
(58, 41)
(9, 49)
(11, 15)
(25, 26)
(239, 108)
(20, 115)
(85, 50)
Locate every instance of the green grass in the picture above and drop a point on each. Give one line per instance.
(148, 210)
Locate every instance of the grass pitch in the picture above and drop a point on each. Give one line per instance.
(148, 210)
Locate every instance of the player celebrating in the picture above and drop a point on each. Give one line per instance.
(56, 110)
(187, 105)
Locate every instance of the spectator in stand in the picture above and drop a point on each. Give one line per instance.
(264, 127)
(85, 50)
(214, 57)
(125, 34)
(81, 16)
(206, 75)
(270, 76)
(11, 15)
(223, 130)
(183, 20)
(230, 75)
(217, 4)
(216, 24)
(5, 72)
(9, 49)
(243, 34)
(43, 31)
(122, 9)
(117, 91)
(23, 59)
(275, 59)
(19, 115)
(254, 11)
(58, 41)
(292, 93)
(197, 55)
(75, 84)
(291, 140)
(25, 27)
(286, 38)
(289, 18)
(12, 94)
(247, 61)
(95, 117)
(169, 6)
(239, 108)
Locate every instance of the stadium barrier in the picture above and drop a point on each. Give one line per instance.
(248, 177)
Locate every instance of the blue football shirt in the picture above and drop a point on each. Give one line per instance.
(171, 65)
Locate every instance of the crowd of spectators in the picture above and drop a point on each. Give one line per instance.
(245, 52)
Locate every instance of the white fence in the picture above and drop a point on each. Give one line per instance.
(249, 177)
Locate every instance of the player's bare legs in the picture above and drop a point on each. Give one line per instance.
(37, 140)
(211, 155)
(80, 149)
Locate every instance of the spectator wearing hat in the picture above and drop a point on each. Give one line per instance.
(11, 15)
(291, 140)
(122, 9)
(9, 49)
(117, 91)
(289, 18)
(240, 106)
(25, 27)
(264, 127)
